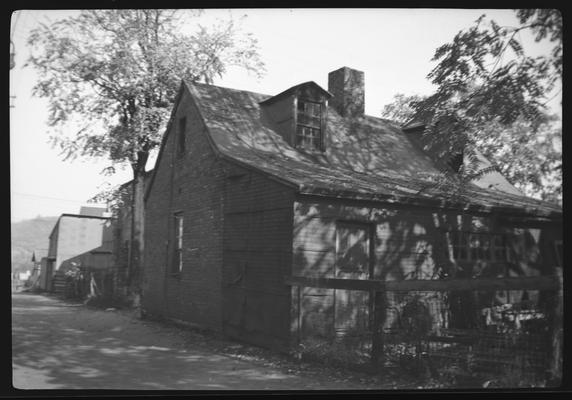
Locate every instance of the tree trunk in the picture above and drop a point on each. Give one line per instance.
(135, 279)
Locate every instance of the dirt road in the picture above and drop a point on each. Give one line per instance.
(63, 345)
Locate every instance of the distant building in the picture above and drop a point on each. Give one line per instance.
(94, 211)
(76, 240)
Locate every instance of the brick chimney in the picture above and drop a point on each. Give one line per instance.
(347, 87)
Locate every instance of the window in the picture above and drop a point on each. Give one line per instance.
(352, 248)
(309, 125)
(178, 243)
(182, 136)
(472, 246)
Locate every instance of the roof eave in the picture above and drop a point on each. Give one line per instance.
(428, 202)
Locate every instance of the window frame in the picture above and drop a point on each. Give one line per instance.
(177, 248)
(309, 124)
(461, 243)
(369, 234)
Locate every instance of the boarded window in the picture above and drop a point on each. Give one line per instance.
(352, 248)
(181, 148)
(309, 125)
(178, 243)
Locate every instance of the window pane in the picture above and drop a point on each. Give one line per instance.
(485, 248)
(308, 137)
(315, 109)
(180, 232)
(353, 248)
(177, 263)
(316, 143)
(308, 120)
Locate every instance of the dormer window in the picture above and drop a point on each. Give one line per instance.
(309, 125)
(299, 115)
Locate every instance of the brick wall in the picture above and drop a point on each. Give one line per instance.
(192, 184)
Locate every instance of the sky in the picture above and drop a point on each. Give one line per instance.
(393, 47)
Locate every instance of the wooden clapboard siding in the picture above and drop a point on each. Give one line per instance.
(317, 316)
(281, 115)
(408, 244)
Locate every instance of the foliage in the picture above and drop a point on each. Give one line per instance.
(491, 98)
(116, 73)
(531, 159)
(400, 109)
(117, 197)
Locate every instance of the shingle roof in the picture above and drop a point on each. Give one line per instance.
(366, 158)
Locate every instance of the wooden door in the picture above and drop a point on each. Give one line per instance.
(353, 259)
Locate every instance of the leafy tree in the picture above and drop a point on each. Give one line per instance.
(531, 159)
(484, 79)
(401, 109)
(114, 75)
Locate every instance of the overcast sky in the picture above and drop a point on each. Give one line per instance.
(392, 46)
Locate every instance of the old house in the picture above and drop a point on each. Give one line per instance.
(77, 240)
(252, 193)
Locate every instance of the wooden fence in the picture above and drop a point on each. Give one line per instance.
(377, 288)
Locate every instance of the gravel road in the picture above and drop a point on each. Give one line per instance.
(59, 344)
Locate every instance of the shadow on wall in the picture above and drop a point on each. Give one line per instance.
(404, 245)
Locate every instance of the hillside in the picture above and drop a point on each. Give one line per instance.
(30, 236)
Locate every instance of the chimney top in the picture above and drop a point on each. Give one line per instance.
(347, 87)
